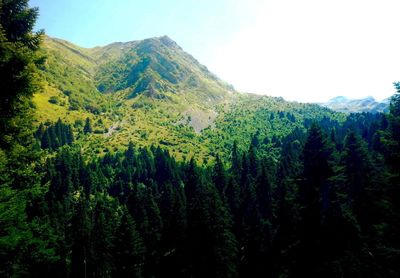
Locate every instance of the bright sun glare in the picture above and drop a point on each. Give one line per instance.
(313, 50)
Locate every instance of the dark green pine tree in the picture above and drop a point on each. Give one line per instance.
(211, 246)
(235, 161)
(317, 159)
(264, 193)
(162, 166)
(340, 234)
(290, 165)
(253, 163)
(101, 238)
(129, 248)
(219, 176)
(69, 135)
(245, 175)
(285, 237)
(314, 193)
(286, 210)
(152, 236)
(173, 214)
(54, 140)
(19, 180)
(59, 132)
(254, 140)
(46, 140)
(146, 167)
(80, 232)
(255, 236)
(144, 209)
(393, 143)
(17, 69)
(55, 135)
(358, 174)
(88, 126)
(39, 132)
(233, 194)
(192, 181)
(130, 154)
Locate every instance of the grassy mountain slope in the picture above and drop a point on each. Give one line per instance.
(152, 92)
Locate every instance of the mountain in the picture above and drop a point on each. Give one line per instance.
(152, 92)
(347, 105)
(227, 185)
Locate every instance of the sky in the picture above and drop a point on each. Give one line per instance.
(309, 50)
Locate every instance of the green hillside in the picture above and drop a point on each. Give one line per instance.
(151, 92)
(141, 163)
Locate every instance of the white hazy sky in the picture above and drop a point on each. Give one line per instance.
(313, 50)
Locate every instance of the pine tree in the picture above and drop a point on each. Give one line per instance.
(317, 157)
(80, 239)
(17, 69)
(219, 176)
(233, 194)
(46, 141)
(129, 248)
(101, 239)
(253, 163)
(19, 180)
(264, 194)
(358, 173)
(39, 132)
(236, 163)
(192, 182)
(69, 135)
(130, 154)
(88, 126)
(314, 193)
(393, 140)
(392, 155)
(211, 247)
(173, 214)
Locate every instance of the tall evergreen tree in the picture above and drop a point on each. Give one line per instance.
(101, 239)
(19, 181)
(358, 173)
(211, 247)
(80, 249)
(129, 248)
(88, 126)
(314, 193)
(18, 70)
(236, 163)
(219, 176)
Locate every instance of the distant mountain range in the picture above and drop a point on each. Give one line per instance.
(349, 105)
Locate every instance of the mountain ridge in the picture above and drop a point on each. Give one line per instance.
(151, 92)
(351, 105)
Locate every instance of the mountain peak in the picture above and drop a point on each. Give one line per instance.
(157, 42)
(349, 105)
(167, 41)
(338, 99)
(155, 66)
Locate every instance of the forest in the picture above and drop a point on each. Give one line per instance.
(327, 206)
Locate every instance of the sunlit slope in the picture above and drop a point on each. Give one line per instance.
(152, 92)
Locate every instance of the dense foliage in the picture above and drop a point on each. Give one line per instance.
(327, 207)
(54, 135)
(286, 195)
